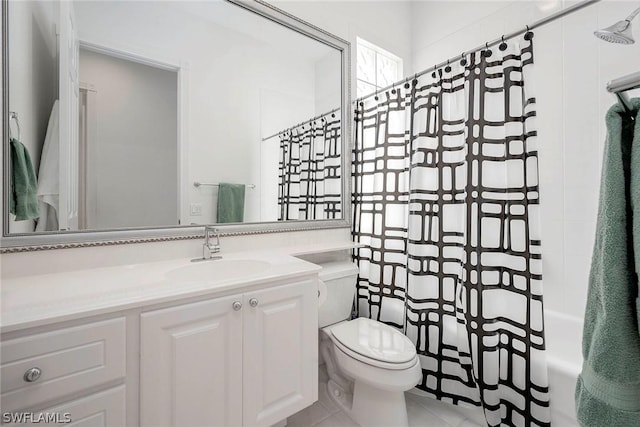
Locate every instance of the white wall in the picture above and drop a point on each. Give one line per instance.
(571, 70)
(33, 69)
(384, 23)
(133, 150)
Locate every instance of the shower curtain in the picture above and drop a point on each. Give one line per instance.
(446, 201)
(309, 184)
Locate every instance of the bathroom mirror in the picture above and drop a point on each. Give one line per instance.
(151, 118)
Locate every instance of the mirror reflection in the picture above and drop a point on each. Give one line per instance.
(154, 114)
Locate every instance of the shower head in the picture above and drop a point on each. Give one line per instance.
(619, 32)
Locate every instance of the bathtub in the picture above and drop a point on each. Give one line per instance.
(564, 362)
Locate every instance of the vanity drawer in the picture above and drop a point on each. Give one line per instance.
(70, 360)
(104, 409)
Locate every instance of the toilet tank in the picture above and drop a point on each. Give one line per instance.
(336, 291)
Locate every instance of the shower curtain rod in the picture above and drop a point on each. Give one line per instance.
(301, 123)
(536, 24)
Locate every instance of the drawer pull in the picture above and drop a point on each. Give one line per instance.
(253, 302)
(237, 305)
(32, 375)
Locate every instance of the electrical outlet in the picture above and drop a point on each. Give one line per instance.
(196, 209)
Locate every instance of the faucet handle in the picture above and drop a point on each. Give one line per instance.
(211, 231)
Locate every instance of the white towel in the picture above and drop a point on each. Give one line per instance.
(49, 175)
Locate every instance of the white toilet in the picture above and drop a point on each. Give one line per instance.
(370, 364)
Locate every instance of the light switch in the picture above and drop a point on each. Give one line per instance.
(196, 209)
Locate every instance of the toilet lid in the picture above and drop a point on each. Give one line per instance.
(375, 340)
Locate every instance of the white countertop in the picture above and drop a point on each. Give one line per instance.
(35, 300)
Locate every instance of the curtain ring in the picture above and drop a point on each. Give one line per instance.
(487, 52)
(528, 35)
(503, 45)
(463, 60)
(447, 69)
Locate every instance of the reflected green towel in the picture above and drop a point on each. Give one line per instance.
(230, 202)
(608, 389)
(23, 202)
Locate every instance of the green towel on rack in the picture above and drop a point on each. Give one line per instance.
(608, 389)
(230, 202)
(23, 202)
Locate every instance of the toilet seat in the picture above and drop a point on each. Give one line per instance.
(374, 343)
(373, 362)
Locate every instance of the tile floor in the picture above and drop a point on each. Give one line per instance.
(422, 412)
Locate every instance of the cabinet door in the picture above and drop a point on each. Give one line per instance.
(191, 365)
(280, 352)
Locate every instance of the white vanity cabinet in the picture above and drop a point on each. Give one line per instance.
(229, 343)
(243, 360)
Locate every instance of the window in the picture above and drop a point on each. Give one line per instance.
(376, 68)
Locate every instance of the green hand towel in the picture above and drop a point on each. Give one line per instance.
(608, 389)
(23, 202)
(230, 202)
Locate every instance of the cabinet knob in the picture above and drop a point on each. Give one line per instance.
(32, 375)
(237, 305)
(253, 302)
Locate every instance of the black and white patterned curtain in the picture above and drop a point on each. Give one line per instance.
(446, 200)
(309, 184)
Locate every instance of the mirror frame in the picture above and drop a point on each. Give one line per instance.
(24, 242)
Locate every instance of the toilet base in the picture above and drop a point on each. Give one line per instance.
(378, 408)
(370, 406)
(340, 396)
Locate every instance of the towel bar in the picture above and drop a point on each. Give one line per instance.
(204, 184)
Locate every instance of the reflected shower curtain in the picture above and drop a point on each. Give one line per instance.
(446, 200)
(309, 185)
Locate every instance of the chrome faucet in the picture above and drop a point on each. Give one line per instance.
(210, 247)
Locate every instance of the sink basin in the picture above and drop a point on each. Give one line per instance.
(221, 269)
